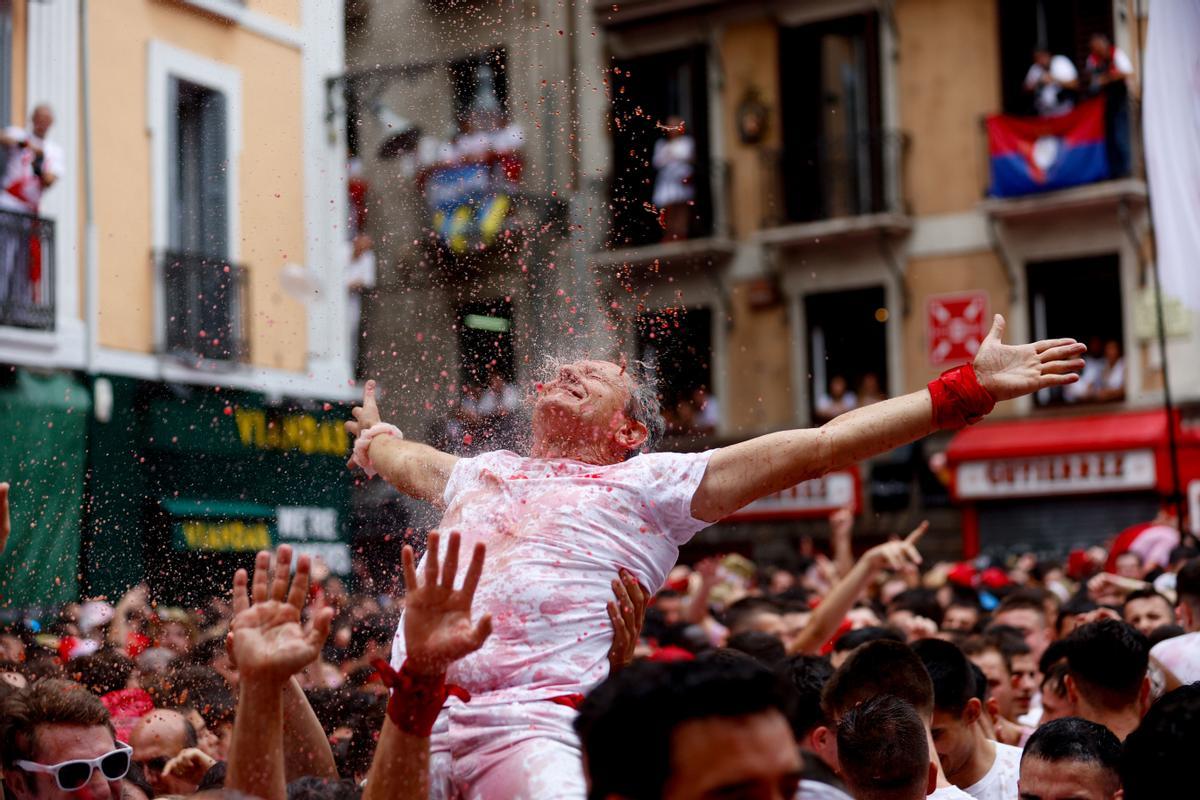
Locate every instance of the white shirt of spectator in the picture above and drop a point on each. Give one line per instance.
(1000, 782)
(22, 189)
(1050, 100)
(557, 531)
(828, 407)
(1180, 656)
(673, 158)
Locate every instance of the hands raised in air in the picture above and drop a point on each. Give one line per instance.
(1009, 371)
(437, 617)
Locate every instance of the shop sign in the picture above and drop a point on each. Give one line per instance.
(303, 432)
(232, 527)
(956, 325)
(314, 532)
(819, 496)
(1070, 473)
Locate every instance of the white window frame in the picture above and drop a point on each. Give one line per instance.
(164, 63)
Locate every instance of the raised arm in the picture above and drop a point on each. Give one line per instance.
(418, 470)
(740, 474)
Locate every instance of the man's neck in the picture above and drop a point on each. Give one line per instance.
(983, 755)
(1121, 723)
(587, 452)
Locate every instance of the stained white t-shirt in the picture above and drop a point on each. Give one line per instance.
(557, 531)
(949, 793)
(20, 188)
(1000, 782)
(1180, 655)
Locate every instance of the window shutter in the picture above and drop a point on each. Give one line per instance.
(214, 201)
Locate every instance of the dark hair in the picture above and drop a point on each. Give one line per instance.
(311, 787)
(1108, 661)
(1073, 607)
(626, 723)
(922, 602)
(1187, 583)
(740, 613)
(137, 776)
(806, 676)
(851, 640)
(1159, 757)
(981, 684)
(213, 779)
(1164, 632)
(1145, 594)
(1008, 641)
(197, 686)
(883, 749)
(644, 406)
(763, 647)
(49, 701)
(882, 667)
(1075, 739)
(951, 674)
(102, 672)
(1024, 599)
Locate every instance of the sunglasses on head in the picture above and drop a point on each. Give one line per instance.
(72, 776)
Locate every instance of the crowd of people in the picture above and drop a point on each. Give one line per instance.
(542, 671)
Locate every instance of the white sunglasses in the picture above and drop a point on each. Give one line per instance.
(73, 775)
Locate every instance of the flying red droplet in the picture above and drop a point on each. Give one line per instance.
(229, 411)
(467, 439)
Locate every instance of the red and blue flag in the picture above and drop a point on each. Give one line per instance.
(1040, 154)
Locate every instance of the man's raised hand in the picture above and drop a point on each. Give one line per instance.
(437, 617)
(266, 638)
(898, 554)
(1009, 371)
(365, 416)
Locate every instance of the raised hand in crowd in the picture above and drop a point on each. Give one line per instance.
(627, 615)
(438, 630)
(269, 643)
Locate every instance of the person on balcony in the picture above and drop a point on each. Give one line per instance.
(31, 163)
(1108, 71)
(1052, 80)
(837, 401)
(674, 184)
(1103, 378)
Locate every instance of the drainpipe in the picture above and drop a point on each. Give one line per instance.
(91, 282)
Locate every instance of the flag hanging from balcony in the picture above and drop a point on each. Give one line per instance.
(1172, 123)
(1039, 154)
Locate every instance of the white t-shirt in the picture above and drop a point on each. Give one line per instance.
(1180, 655)
(949, 793)
(1000, 782)
(21, 189)
(557, 531)
(1049, 100)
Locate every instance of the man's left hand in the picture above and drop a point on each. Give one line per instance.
(627, 615)
(1009, 371)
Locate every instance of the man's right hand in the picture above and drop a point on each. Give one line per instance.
(898, 554)
(365, 415)
(437, 617)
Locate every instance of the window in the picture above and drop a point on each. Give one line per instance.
(199, 178)
(651, 95)
(1054, 302)
(676, 347)
(485, 343)
(1064, 26)
(833, 145)
(6, 66)
(847, 347)
(480, 92)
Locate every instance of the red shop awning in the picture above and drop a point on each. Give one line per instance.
(1119, 452)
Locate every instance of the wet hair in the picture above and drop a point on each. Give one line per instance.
(626, 724)
(49, 701)
(1075, 739)
(881, 667)
(951, 674)
(1108, 661)
(762, 647)
(102, 672)
(883, 749)
(806, 677)
(644, 406)
(1158, 759)
(852, 640)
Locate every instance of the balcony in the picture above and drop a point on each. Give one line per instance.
(205, 308)
(26, 271)
(833, 187)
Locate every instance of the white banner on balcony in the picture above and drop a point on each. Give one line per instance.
(1171, 121)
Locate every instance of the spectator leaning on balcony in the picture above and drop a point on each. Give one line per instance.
(1051, 80)
(31, 163)
(674, 187)
(1108, 71)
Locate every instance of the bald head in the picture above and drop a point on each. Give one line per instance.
(157, 738)
(42, 118)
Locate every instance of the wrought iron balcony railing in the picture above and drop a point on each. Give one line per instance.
(26, 271)
(205, 308)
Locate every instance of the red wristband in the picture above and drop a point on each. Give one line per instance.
(416, 699)
(959, 399)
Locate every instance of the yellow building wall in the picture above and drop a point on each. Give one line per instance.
(949, 80)
(750, 60)
(943, 275)
(20, 51)
(283, 10)
(270, 171)
(758, 362)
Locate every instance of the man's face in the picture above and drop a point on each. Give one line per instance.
(953, 739)
(1024, 682)
(158, 738)
(960, 618)
(1055, 704)
(1031, 624)
(54, 744)
(1129, 566)
(586, 400)
(752, 757)
(1065, 780)
(999, 682)
(1148, 613)
(43, 118)
(174, 637)
(671, 608)
(1042, 58)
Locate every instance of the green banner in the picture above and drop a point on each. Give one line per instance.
(42, 446)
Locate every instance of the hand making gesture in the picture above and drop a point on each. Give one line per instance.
(437, 617)
(1009, 371)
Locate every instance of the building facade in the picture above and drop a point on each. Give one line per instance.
(786, 208)
(188, 276)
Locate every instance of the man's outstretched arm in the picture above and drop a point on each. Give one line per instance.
(418, 470)
(740, 474)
